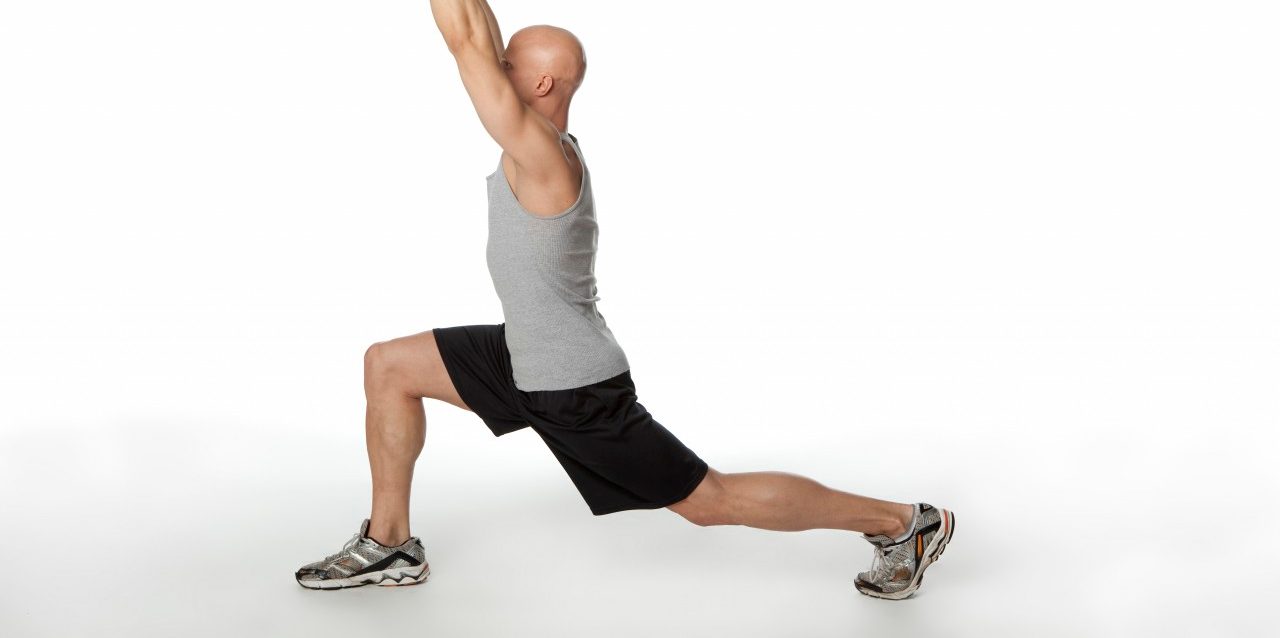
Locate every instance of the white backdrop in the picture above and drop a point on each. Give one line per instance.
(1015, 259)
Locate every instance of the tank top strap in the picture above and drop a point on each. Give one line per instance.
(573, 141)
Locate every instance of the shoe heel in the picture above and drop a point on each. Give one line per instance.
(407, 577)
(951, 528)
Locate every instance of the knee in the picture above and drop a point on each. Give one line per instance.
(705, 518)
(708, 504)
(378, 368)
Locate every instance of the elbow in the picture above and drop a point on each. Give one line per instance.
(456, 41)
(467, 42)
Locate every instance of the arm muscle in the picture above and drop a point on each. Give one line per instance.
(510, 122)
(471, 33)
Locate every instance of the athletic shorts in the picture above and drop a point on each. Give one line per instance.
(616, 454)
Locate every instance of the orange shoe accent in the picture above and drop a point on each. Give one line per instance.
(919, 545)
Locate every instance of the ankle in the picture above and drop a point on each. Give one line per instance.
(390, 540)
(390, 535)
(899, 523)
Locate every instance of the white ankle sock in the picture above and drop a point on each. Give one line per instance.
(911, 527)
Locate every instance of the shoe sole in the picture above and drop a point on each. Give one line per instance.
(931, 555)
(399, 577)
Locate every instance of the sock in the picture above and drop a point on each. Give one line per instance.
(911, 527)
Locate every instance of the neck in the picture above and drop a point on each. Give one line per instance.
(557, 114)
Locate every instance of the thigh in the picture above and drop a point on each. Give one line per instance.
(416, 366)
(478, 363)
(614, 451)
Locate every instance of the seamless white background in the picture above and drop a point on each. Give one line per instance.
(1015, 259)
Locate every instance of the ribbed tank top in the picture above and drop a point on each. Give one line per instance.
(543, 269)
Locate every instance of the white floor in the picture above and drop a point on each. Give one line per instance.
(1119, 515)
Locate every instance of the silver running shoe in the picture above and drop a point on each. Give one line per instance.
(897, 568)
(363, 561)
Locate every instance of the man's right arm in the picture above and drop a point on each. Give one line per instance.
(523, 133)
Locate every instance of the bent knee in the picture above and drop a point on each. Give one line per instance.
(375, 356)
(379, 366)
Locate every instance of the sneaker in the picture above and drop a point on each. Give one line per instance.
(364, 561)
(897, 568)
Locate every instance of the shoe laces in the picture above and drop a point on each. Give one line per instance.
(881, 565)
(346, 547)
(880, 559)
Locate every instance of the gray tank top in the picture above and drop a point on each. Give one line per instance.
(543, 269)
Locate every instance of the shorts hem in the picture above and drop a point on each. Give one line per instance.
(684, 493)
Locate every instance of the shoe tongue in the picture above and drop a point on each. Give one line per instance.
(364, 529)
(880, 540)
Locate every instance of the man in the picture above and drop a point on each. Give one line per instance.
(554, 365)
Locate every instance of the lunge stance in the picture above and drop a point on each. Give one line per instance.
(553, 364)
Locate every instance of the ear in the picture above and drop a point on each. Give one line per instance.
(545, 84)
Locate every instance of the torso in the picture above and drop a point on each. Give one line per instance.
(543, 269)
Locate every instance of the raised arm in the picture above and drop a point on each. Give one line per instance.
(461, 20)
(471, 32)
(494, 30)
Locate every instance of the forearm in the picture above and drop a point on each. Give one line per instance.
(467, 21)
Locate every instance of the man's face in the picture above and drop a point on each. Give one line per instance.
(511, 62)
(508, 64)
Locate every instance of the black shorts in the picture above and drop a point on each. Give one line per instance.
(617, 455)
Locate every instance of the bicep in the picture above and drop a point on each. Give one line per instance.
(504, 116)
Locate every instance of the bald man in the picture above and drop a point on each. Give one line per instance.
(554, 365)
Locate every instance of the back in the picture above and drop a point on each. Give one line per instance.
(543, 269)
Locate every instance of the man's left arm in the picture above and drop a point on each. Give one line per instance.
(494, 31)
(465, 21)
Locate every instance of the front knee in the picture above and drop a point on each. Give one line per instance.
(378, 372)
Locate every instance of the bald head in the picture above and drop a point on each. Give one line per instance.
(545, 63)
